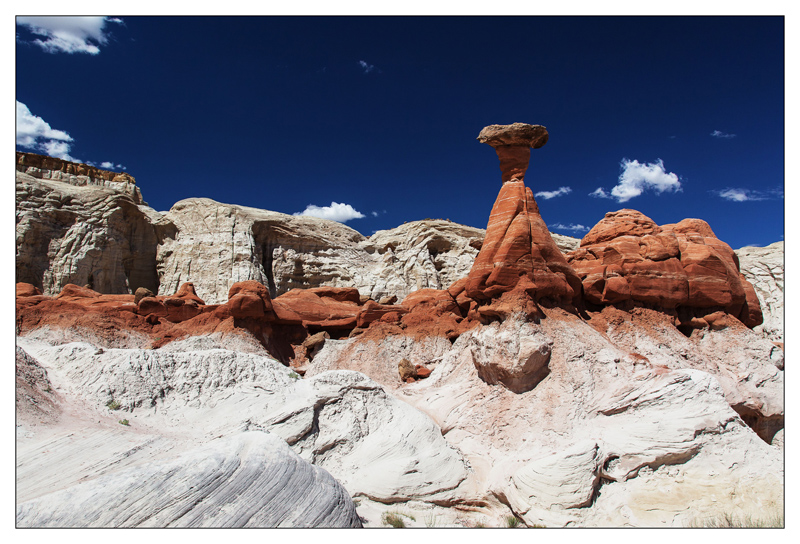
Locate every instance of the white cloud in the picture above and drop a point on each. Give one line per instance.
(720, 134)
(374, 214)
(547, 195)
(335, 212)
(600, 193)
(107, 165)
(69, 34)
(366, 67)
(638, 177)
(571, 227)
(35, 133)
(748, 195)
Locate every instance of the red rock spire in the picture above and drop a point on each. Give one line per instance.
(518, 252)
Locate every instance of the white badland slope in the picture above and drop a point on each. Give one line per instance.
(596, 441)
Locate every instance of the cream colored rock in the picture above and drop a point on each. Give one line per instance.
(84, 234)
(433, 253)
(510, 354)
(566, 243)
(764, 269)
(251, 479)
(377, 446)
(218, 244)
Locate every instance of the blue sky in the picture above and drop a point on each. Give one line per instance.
(378, 117)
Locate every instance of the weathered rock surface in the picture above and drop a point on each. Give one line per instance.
(77, 174)
(251, 479)
(287, 252)
(682, 268)
(763, 267)
(77, 227)
(512, 144)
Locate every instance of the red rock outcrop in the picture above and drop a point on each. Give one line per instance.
(518, 244)
(682, 268)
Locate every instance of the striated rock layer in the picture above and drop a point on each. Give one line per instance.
(248, 480)
(518, 245)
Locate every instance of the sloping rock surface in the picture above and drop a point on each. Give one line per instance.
(376, 445)
(252, 479)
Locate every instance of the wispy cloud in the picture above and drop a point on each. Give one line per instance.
(335, 212)
(637, 177)
(720, 134)
(69, 34)
(547, 195)
(367, 67)
(572, 227)
(748, 195)
(36, 134)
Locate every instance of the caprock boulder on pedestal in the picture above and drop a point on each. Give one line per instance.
(518, 253)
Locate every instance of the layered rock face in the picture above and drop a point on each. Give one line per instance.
(82, 225)
(681, 268)
(266, 485)
(518, 244)
(763, 267)
(73, 225)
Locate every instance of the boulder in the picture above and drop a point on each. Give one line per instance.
(73, 291)
(406, 370)
(682, 267)
(140, 293)
(27, 290)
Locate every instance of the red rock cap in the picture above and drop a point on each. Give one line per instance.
(521, 134)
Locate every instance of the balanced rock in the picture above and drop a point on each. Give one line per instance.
(518, 243)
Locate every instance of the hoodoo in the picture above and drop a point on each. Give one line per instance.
(518, 253)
